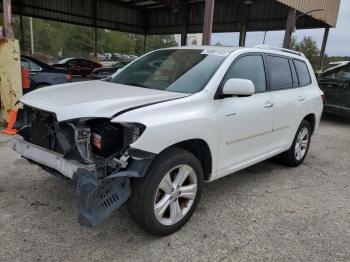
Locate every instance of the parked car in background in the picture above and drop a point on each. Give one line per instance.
(42, 74)
(335, 84)
(176, 117)
(78, 66)
(104, 72)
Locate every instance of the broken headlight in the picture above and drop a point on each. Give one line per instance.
(132, 132)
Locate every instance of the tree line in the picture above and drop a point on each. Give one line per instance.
(78, 41)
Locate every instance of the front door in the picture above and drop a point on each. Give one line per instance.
(245, 122)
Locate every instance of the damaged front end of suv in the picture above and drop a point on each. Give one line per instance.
(94, 153)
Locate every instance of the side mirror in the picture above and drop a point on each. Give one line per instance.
(238, 87)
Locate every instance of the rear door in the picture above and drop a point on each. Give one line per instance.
(288, 99)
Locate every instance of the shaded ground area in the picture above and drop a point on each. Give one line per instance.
(267, 212)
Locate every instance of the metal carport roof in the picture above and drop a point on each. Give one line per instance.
(170, 16)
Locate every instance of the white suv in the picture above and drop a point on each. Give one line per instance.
(154, 131)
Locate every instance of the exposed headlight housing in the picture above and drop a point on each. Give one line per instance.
(132, 132)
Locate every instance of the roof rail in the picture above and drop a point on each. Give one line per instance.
(276, 48)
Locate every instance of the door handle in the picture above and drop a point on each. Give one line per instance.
(268, 105)
(301, 98)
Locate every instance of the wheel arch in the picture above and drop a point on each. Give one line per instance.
(200, 149)
(311, 118)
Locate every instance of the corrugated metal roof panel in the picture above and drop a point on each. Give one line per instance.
(329, 14)
(163, 17)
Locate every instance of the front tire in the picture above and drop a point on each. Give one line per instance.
(300, 147)
(165, 199)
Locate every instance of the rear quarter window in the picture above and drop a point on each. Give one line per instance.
(303, 73)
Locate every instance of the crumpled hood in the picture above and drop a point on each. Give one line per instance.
(93, 99)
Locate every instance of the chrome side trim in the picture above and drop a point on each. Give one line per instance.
(46, 157)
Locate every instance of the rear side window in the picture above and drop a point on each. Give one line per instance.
(280, 73)
(303, 73)
(294, 74)
(249, 67)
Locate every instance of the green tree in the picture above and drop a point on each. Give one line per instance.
(78, 41)
(152, 42)
(308, 46)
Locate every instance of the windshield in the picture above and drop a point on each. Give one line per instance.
(176, 70)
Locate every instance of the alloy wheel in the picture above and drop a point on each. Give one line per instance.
(302, 143)
(175, 195)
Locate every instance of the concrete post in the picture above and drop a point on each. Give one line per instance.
(10, 76)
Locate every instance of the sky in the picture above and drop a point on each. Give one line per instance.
(338, 40)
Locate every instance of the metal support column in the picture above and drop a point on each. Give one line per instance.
(183, 39)
(94, 7)
(21, 28)
(244, 23)
(31, 36)
(289, 28)
(7, 9)
(208, 21)
(144, 44)
(323, 48)
(185, 24)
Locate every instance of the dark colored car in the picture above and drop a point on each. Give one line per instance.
(335, 83)
(42, 74)
(77, 66)
(104, 72)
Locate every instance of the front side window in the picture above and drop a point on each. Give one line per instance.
(176, 70)
(280, 73)
(303, 73)
(249, 67)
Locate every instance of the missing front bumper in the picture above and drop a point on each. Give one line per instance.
(47, 157)
(97, 198)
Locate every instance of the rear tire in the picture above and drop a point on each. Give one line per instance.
(165, 199)
(300, 147)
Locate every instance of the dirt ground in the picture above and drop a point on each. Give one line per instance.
(265, 213)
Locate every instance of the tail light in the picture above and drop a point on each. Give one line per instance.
(69, 78)
(322, 96)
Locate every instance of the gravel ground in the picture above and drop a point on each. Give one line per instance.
(265, 213)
